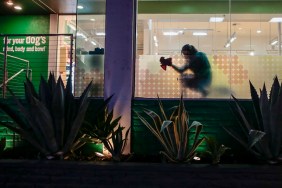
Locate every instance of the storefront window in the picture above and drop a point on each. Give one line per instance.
(63, 64)
(240, 45)
(90, 45)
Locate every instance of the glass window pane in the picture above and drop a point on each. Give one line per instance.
(90, 44)
(238, 38)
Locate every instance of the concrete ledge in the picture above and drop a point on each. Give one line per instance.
(32, 173)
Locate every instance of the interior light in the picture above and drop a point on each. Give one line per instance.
(18, 7)
(181, 32)
(100, 33)
(227, 45)
(150, 24)
(258, 31)
(216, 19)
(79, 7)
(155, 38)
(156, 44)
(200, 33)
(277, 19)
(92, 19)
(172, 33)
(252, 53)
(274, 42)
(232, 38)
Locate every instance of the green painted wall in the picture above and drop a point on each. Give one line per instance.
(24, 24)
(38, 46)
(38, 59)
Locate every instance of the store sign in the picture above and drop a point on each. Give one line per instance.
(26, 44)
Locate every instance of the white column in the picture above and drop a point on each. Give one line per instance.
(120, 58)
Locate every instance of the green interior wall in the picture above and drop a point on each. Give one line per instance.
(194, 7)
(24, 24)
(28, 25)
(213, 114)
(209, 7)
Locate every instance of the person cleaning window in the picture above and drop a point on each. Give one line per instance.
(197, 62)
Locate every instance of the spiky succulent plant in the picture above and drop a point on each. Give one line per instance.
(262, 135)
(173, 132)
(49, 120)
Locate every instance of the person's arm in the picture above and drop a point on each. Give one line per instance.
(168, 62)
(180, 69)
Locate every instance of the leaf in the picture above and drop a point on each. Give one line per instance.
(161, 108)
(237, 136)
(58, 112)
(195, 123)
(156, 118)
(76, 124)
(41, 118)
(274, 92)
(256, 105)
(31, 88)
(173, 134)
(26, 135)
(241, 114)
(17, 117)
(45, 95)
(254, 137)
(265, 112)
(166, 124)
(275, 123)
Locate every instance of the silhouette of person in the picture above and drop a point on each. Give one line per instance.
(198, 63)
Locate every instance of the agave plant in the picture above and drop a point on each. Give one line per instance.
(215, 150)
(49, 120)
(263, 134)
(116, 143)
(102, 127)
(173, 132)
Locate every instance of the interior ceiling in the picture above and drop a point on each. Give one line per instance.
(37, 7)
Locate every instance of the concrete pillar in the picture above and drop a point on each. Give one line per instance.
(120, 58)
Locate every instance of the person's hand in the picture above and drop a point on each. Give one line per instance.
(165, 62)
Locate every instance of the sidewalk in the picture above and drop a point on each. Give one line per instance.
(46, 174)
